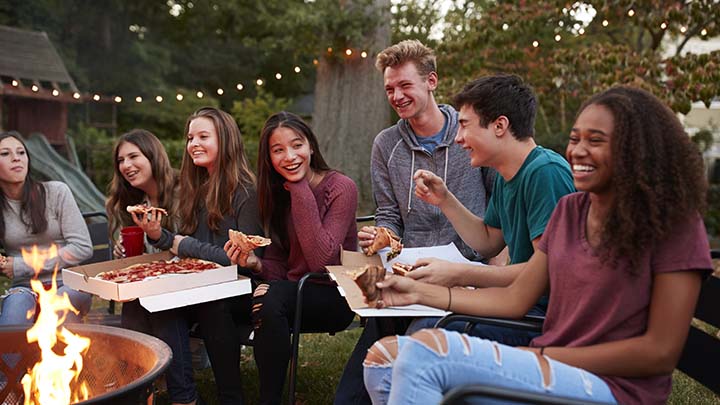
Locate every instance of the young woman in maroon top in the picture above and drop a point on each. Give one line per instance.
(308, 210)
(622, 259)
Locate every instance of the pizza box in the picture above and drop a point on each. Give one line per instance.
(183, 298)
(82, 278)
(353, 295)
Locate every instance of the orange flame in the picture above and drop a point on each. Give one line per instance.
(52, 379)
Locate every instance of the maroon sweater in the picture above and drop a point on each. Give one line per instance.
(321, 220)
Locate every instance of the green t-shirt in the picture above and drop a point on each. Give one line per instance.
(521, 207)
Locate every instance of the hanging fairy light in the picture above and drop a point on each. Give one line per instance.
(278, 76)
(199, 94)
(663, 25)
(535, 44)
(605, 23)
(118, 99)
(35, 88)
(363, 54)
(297, 69)
(220, 92)
(683, 29)
(55, 92)
(76, 95)
(631, 13)
(348, 52)
(703, 32)
(259, 82)
(179, 97)
(239, 86)
(15, 83)
(138, 99)
(159, 99)
(558, 38)
(96, 97)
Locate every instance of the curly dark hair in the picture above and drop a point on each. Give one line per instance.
(658, 177)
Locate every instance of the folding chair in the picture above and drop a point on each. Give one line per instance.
(97, 224)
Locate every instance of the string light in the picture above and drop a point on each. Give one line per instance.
(15, 83)
(535, 44)
(220, 92)
(329, 50)
(239, 86)
(297, 69)
(159, 99)
(683, 29)
(348, 52)
(259, 82)
(663, 25)
(179, 97)
(278, 76)
(55, 92)
(76, 95)
(558, 38)
(138, 99)
(315, 62)
(35, 88)
(505, 27)
(605, 23)
(118, 99)
(581, 31)
(703, 32)
(363, 54)
(96, 97)
(199, 94)
(631, 13)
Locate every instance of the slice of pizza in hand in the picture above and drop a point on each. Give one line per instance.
(385, 237)
(247, 243)
(366, 278)
(402, 269)
(141, 209)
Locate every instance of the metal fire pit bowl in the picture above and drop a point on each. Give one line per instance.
(119, 367)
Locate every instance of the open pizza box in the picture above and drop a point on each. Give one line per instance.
(157, 294)
(353, 260)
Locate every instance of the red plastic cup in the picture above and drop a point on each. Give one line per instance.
(133, 240)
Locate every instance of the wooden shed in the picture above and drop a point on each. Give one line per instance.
(35, 86)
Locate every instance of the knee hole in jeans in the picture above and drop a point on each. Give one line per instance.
(496, 352)
(434, 339)
(382, 353)
(466, 343)
(260, 291)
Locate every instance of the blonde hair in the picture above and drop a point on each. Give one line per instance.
(410, 50)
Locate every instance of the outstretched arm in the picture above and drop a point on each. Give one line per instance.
(485, 239)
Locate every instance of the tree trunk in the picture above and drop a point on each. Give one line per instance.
(350, 109)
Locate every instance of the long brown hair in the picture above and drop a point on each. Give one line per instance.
(273, 199)
(214, 190)
(32, 204)
(658, 177)
(121, 193)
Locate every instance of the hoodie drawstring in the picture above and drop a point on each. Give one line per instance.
(412, 173)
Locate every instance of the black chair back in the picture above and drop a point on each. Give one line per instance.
(701, 354)
(97, 223)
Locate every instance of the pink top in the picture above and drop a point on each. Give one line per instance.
(321, 220)
(592, 303)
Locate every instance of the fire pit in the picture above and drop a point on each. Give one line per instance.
(119, 367)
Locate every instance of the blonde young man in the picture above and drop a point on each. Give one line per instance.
(423, 138)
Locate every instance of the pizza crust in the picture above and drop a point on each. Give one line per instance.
(142, 209)
(157, 268)
(383, 238)
(366, 278)
(247, 243)
(402, 269)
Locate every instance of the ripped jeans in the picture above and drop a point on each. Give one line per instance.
(421, 374)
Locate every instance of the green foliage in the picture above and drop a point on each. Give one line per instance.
(415, 19)
(703, 139)
(251, 114)
(94, 148)
(712, 216)
(574, 58)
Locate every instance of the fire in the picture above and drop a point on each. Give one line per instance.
(53, 379)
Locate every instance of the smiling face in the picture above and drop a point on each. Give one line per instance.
(202, 143)
(134, 166)
(589, 149)
(475, 139)
(407, 91)
(13, 161)
(290, 154)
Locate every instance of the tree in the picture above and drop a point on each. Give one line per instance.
(567, 53)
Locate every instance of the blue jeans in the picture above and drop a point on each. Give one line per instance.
(21, 300)
(421, 375)
(506, 336)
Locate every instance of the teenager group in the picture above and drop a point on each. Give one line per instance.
(628, 250)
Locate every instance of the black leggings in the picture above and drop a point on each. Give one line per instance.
(324, 310)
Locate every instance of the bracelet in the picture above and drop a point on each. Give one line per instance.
(449, 300)
(542, 349)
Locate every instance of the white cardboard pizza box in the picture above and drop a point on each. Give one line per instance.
(353, 295)
(82, 278)
(183, 298)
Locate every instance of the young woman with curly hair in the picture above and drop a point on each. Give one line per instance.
(217, 190)
(623, 261)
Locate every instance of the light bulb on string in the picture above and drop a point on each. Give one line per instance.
(96, 97)
(55, 92)
(363, 54)
(278, 76)
(220, 92)
(348, 52)
(535, 44)
(118, 99)
(179, 97)
(631, 13)
(15, 83)
(159, 99)
(239, 86)
(259, 82)
(35, 88)
(558, 38)
(297, 69)
(605, 23)
(138, 99)
(76, 96)
(199, 94)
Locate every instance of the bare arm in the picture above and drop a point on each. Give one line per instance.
(658, 350)
(485, 239)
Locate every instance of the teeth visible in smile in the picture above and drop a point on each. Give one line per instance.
(583, 168)
(292, 167)
(403, 104)
(132, 174)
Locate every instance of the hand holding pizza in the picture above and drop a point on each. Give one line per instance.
(6, 265)
(243, 259)
(148, 218)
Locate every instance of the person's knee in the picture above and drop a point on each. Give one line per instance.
(383, 352)
(434, 339)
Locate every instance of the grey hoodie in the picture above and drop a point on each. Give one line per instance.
(396, 156)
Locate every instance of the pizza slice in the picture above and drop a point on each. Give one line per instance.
(141, 271)
(366, 278)
(384, 238)
(247, 243)
(402, 269)
(141, 209)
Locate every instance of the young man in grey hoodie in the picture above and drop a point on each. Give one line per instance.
(423, 138)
